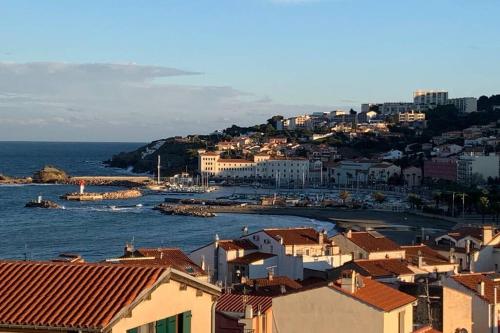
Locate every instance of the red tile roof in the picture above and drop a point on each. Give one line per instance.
(471, 281)
(172, 257)
(236, 303)
(251, 258)
(237, 244)
(460, 233)
(377, 295)
(296, 236)
(430, 257)
(384, 267)
(426, 329)
(67, 295)
(234, 160)
(371, 241)
(275, 281)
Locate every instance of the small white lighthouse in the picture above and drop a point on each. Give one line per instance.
(82, 186)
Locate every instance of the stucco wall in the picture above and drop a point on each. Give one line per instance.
(166, 301)
(323, 310)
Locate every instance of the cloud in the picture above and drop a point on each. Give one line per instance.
(120, 102)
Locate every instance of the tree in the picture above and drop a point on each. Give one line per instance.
(378, 197)
(483, 206)
(414, 200)
(344, 195)
(437, 198)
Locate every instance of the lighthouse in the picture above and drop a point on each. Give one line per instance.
(82, 186)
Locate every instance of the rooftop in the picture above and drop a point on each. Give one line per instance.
(73, 296)
(377, 294)
(471, 281)
(383, 267)
(372, 241)
(251, 258)
(430, 257)
(237, 244)
(296, 236)
(235, 303)
(172, 257)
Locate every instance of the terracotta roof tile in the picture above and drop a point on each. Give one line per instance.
(237, 244)
(172, 257)
(296, 236)
(384, 267)
(377, 295)
(236, 303)
(460, 233)
(69, 295)
(471, 281)
(430, 257)
(275, 281)
(373, 242)
(251, 258)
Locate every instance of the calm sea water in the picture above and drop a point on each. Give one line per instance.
(94, 229)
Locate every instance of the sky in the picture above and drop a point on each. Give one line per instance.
(123, 70)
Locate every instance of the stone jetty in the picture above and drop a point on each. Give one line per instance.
(94, 196)
(185, 210)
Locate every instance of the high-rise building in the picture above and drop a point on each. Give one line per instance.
(428, 99)
(464, 104)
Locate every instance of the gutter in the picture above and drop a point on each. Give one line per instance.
(214, 305)
(51, 328)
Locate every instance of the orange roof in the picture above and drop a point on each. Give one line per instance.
(236, 303)
(430, 257)
(426, 329)
(377, 295)
(172, 257)
(457, 234)
(373, 242)
(67, 295)
(296, 236)
(383, 267)
(471, 281)
(251, 258)
(237, 244)
(275, 281)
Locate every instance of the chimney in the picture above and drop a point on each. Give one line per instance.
(216, 241)
(248, 311)
(282, 289)
(280, 239)
(467, 246)
(420, 259)
(480, 288)
(244, 231)
(321, 237)
(129, 248)
(348, 281)
(487, 234)
(452, 255)
(349, 234)
(270, 275)
(203, 263)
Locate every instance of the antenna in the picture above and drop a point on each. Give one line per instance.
(159, 167)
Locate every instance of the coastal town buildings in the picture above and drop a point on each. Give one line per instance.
(464, 104)
(412, 176)
(441, 169)
(477, 168)
(368, 245)
(50, 297)
(425, 99)
(410, 116)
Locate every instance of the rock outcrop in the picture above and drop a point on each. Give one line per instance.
(50, 175)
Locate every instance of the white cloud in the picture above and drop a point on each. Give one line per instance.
(61, 101)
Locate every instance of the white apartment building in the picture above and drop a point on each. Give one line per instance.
(263, 166)
(411, 116)
(464, 104)
(424, 99)
(299, 122)
(388, 108)
(480, 166)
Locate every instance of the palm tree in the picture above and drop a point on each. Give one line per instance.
(414, 200)
(484, 205)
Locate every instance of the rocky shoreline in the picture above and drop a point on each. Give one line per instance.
(95, 196)
(185, 210)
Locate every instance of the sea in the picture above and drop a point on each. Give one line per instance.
(100, 230)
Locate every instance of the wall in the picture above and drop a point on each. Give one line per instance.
(323, 310)
(168, 300)
(391, 320)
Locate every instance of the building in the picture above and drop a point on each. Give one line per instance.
(282, 170)
(383, 270)
(368, 245)
(367, 116)
(81, 297)
(299, 122)
(474, 169)
(464, 104)
(382, 172)
(392, 154)
(412, 176)
(252, 313)
(471, 303)
(441, 169)
(425, 99)
(169, 257)
(388, 108)
(352, 303)
(411, 116)
(425, 259)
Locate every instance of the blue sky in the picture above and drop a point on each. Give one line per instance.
(244, 59)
